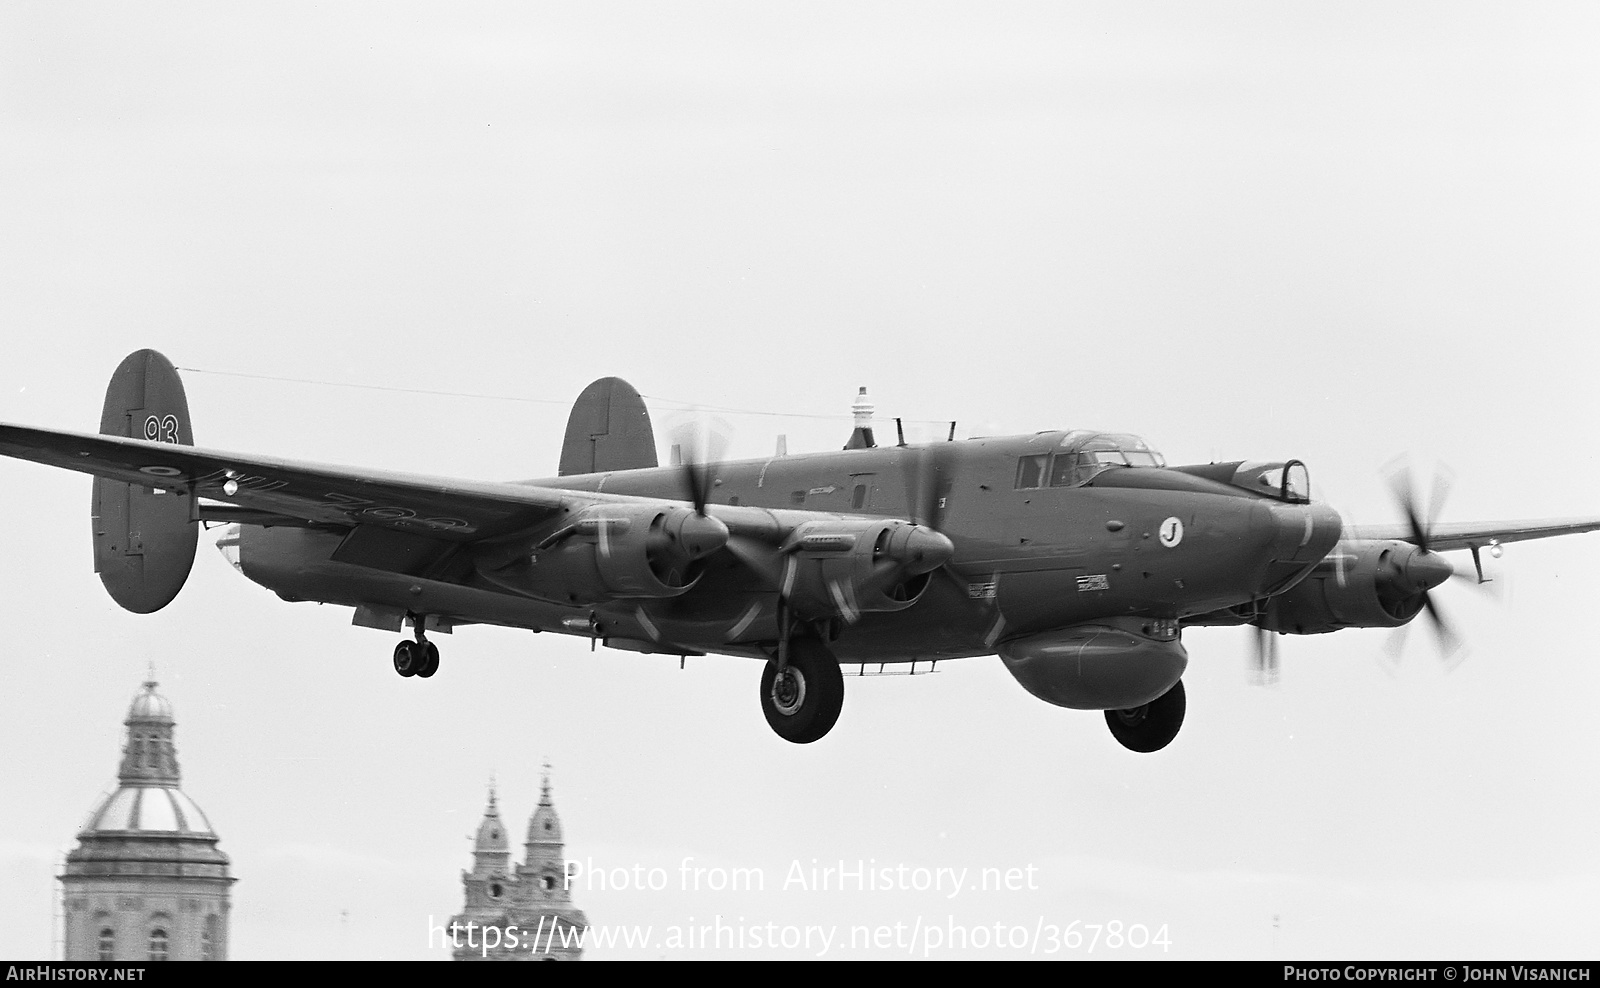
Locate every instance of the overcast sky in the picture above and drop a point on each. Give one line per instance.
(1331, 231)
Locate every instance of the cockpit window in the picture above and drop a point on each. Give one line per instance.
(1095, 452)
(1074, 468)
(1082, 455)
(1296, 482)
(1286, 481)
(1030, 471)
(1063, 470)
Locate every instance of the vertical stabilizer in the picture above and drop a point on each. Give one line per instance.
(144, 537)
(609, 429)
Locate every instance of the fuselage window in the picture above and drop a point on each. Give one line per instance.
(858, 498)
(1030, 471)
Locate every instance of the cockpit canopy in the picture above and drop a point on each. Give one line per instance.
(1081, 455)
(1289, 481)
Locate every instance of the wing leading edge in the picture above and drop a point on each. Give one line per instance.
(1476, 535)
(453, 510)
(267, 490)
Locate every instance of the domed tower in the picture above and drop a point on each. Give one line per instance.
(544, 849)
(488, 883)
(146, 881)
(529, 910)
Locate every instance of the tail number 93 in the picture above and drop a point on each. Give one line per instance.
(161, 430)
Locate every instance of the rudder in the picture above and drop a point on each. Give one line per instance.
(144, 541)
(609, 429)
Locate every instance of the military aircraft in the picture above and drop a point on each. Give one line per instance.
(1077, 556)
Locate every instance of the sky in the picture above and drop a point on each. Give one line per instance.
(1338, 232)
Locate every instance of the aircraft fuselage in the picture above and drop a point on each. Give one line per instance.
(1132, 541)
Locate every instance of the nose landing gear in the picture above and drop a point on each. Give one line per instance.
(418, 658)
(1150, 727)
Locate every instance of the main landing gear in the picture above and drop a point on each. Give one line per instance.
(419, 658)
(1152, 726)
(803, 702)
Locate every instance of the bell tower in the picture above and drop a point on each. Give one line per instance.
(488, 883)
(527, 908)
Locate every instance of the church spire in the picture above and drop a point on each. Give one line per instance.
(544, 827)
(491, 851)
(534, 895)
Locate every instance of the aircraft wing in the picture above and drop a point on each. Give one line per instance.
(453, 510)
(1470, 535)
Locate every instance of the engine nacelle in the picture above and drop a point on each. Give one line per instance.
(1360, 585)
(612, 552)
(848, 567)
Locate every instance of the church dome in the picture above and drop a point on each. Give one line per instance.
(148, 798)
(150, 706)
(148, 809)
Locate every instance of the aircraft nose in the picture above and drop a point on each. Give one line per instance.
(1305, 532)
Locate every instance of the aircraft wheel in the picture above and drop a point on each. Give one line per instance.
(1152, 726)
(408, 658)
(430, 660)
(803, 704)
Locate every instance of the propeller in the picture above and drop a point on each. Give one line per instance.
(924, 483)
(1425, 569)
(698, 445)
(1264, 661)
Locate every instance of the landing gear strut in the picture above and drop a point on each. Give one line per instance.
(803, 701)
(419, 658)
(1152, 726)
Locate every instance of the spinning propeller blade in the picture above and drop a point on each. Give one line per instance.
(924, 480)
(698, 445)
(1264, 662)
(1427, 569)
(1264, 656)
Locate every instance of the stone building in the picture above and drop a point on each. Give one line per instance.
(527, 907)
(146, 881)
